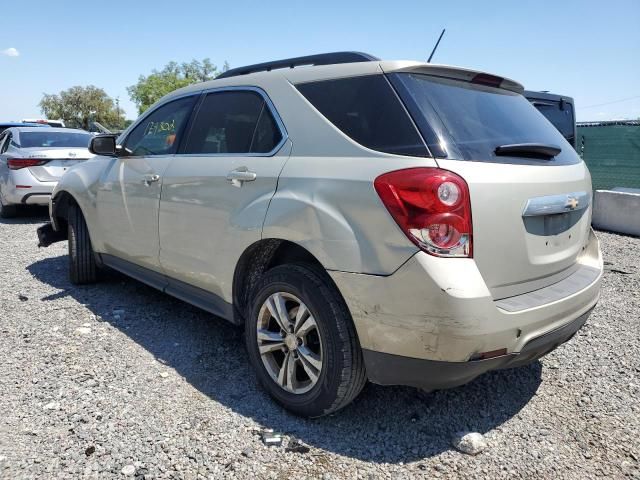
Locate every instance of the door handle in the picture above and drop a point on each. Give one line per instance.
(240, 175)
(149, 178)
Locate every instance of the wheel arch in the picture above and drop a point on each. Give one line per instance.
(260, 257)
(60, 205)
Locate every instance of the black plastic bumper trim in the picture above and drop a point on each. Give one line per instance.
(24, 199)
(47, 235)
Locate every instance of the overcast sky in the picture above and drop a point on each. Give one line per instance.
(586, 49)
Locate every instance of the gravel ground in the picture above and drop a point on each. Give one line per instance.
(117, 380)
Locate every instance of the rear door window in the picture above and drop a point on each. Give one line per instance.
(233, 122)
(159, 133)
(367, 110)
(472, 120)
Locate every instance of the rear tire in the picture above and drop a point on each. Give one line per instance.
(332, 343)
(8, 211)
(82, 262)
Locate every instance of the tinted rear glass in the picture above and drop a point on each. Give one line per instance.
(367, 110)
(471, 120)
(46, 139)
(561, 118)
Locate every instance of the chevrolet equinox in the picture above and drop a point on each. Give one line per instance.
(392, 221)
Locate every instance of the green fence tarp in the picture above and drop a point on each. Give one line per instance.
(612, 153)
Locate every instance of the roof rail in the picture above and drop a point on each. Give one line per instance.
(320, 59)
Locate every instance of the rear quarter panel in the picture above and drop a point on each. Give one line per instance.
(326, 201)
(329, 206)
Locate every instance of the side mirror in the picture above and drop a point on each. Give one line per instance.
(103, 145)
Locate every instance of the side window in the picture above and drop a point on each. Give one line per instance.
(233, 122)
(367, 110)
(159, 133)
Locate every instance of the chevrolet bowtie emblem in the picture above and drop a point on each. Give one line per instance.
(572, 203)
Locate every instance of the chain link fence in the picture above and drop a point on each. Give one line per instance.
(612, 152)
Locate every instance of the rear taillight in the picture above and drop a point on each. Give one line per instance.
(432, 207)
(18, 163)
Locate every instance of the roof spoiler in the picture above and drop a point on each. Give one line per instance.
(456, 73)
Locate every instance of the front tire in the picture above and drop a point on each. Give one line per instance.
(82, 261)
(302, 342)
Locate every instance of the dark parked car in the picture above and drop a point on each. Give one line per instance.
(559, 110)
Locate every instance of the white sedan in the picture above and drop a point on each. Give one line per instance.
(33, 159)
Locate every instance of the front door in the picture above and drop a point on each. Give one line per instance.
(129, 191)
(216, 192)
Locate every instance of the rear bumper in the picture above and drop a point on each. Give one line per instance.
(23, 188)
(440, 310)
(386, 369)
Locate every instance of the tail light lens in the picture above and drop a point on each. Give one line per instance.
(18, 163)
(432, 207)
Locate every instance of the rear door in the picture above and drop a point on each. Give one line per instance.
(530, 213)
(129, 190)
(215, 194)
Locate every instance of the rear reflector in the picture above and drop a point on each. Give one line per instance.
(23, 186)
(18, 163)
(488, 80)
(432, 207)
(491, 354)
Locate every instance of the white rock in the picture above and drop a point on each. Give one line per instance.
(164, 374)
(471, 443)
(52, 406)
(128, 470)
(83, 330)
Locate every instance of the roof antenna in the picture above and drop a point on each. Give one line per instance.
(434, 48)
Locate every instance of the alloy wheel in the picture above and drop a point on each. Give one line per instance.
(289, 343)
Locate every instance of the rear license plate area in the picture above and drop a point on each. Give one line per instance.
(558, 223)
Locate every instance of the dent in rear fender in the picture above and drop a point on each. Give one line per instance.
(81, 182)
(340, 222)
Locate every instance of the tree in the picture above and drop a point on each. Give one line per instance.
(151, 88)
(79, 106)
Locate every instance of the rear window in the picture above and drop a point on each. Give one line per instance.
(471, 120)
(47, 139)
(367, 110)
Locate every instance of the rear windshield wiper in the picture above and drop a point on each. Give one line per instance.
(533, 150)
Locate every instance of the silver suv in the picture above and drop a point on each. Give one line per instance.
(391, 221)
